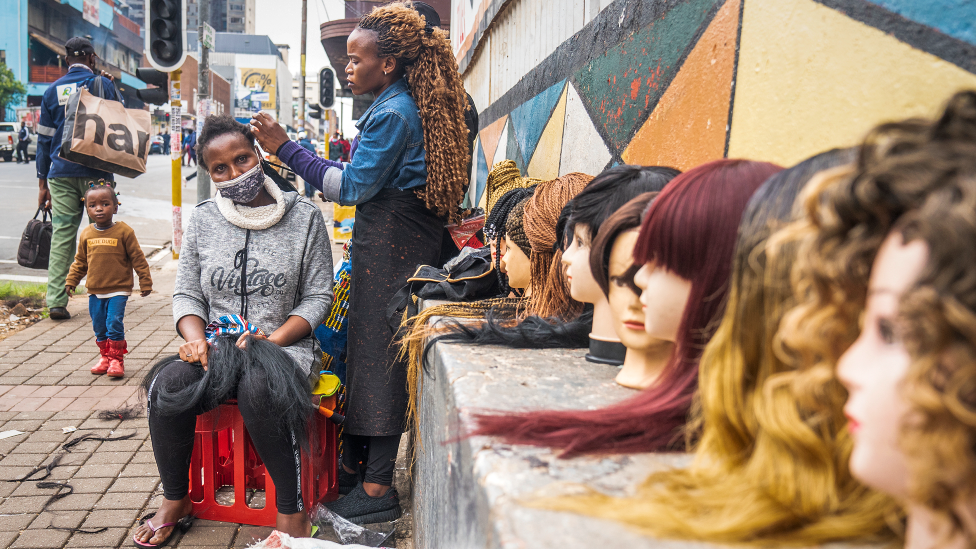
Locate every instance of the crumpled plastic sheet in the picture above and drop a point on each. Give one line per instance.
(347, 532)
(280, 540)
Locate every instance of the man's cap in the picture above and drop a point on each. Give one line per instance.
(429, 13)
(78, 46)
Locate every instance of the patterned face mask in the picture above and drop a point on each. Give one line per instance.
(244, 188)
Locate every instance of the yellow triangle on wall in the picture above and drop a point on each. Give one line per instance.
(545, 160)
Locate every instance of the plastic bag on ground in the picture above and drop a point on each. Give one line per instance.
(347, 532)
(280, 540)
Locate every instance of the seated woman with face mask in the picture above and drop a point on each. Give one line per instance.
(253, 256)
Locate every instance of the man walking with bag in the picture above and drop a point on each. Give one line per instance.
(62, 184)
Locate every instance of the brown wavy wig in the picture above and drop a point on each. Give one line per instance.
(432, 74)
(900, 167)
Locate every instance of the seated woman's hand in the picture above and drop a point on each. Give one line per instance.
(195, 352)
(242, 341)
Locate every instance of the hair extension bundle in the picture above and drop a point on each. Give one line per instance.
(532, 332)
(121, 413)
(227, 367)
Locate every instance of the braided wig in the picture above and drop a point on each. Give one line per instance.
(689, 230)
(432, 74)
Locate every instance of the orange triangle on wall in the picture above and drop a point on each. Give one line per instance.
(688, 125)
(489, 138)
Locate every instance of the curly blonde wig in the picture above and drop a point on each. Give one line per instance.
(900, 168)
(432, 74)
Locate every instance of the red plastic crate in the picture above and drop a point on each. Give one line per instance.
(224, 456)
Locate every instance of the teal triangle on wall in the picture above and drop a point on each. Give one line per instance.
(481, 176)
(512, 151)
(531, 117)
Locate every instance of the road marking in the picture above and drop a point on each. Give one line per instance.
(10, 237)
(15, 187)
(24, 278)
(153, 246)
(10, 261)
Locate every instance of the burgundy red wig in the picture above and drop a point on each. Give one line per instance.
(690, 230)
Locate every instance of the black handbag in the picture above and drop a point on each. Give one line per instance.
(468, 277)
(35, 244)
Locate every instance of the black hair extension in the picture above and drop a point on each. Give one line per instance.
(610, 190)
(531, 333)
(227, 367)
(121, 413)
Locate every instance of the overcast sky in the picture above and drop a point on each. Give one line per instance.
(282, 21)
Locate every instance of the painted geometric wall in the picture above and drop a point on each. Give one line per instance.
(682, 82)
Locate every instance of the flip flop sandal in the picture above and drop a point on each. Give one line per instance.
(182, 525)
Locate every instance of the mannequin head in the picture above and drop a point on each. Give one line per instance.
(504, 188)
(904, 170)
(873, 369)
(689, 230)
(549, 287)
(612, 265)
(517, 247)
(606, 194)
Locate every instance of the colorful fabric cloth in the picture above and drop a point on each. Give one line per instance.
(230, 325)
(332, 332)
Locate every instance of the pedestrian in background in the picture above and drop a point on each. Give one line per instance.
(344, 143)
(189, 148)
(23, 139)
(307, 145)
(165, 142)
(62, 184)
(335, 147)
(107, 254)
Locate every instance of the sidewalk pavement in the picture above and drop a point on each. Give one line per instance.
(45, 386)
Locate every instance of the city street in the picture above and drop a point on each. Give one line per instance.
(145, 206)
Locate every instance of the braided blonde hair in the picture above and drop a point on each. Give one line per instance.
(432, 74)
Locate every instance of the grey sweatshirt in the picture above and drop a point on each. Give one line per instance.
(289, 272)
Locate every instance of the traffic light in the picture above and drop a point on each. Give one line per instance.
(166, 34)
(314, 111)
(326, 87)
(158, 95)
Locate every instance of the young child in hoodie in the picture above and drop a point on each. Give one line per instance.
(107, 253)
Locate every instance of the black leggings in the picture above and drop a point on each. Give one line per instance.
(172, 436)
(377, 454)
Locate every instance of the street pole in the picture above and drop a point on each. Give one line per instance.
(301, 87)
(175, 106)
(203, 96)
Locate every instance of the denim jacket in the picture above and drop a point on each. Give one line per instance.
(390, 153)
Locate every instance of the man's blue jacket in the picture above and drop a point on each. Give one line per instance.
(51, 125)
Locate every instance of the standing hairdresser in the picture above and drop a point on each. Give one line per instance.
(406, 179)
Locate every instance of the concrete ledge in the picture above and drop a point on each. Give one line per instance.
(468, 493)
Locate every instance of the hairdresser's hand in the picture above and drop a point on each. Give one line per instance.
(242, 341)
(268, 132)
(195, 352)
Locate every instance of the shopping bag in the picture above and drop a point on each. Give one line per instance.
(35, 243)
(104, 135)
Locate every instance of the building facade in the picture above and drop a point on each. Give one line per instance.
(32, 37)
(256, 71)
(225, 15)
(581, 85)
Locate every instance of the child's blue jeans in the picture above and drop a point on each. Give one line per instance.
(107, 315)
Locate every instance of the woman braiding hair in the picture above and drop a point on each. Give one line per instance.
(407, 177)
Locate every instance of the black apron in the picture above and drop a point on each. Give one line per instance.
(394, 232)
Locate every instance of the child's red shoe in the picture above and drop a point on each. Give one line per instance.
(103, 362)
(116, 349)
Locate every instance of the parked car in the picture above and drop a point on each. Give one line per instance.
(8, 141)
(157, 145)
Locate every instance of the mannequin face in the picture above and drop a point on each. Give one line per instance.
(516, 265)
(498, 252)
(576, 259)
(664, 296)
(628, 314)
(874, 367)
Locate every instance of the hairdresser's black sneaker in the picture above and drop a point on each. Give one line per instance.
(347, 481)
(359, 507)
(59, 313)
